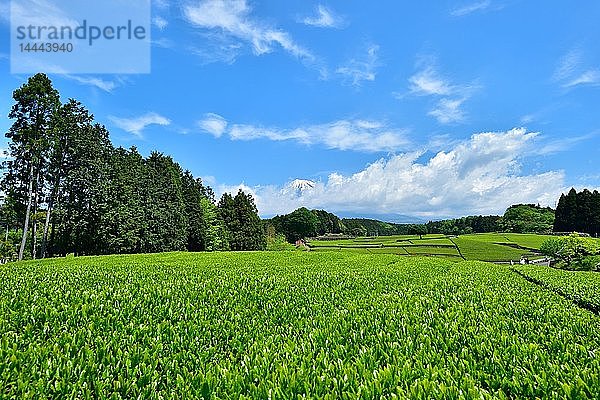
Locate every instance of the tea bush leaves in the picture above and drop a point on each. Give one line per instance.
(330, 325)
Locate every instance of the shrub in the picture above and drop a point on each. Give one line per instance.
(572, 251)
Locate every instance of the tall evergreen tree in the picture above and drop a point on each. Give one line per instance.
(166, 229)
(80, 205)
(35, 104)
(124, 217)
(244, 227)
(566, 212)
(583, 219)
(68, 124)
(193, 193)
(560, 214)
(595, 215)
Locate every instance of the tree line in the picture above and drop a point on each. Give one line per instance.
(67, 189)
(304, 223)
(518, 218)
(578, 212)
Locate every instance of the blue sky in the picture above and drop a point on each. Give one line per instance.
(427, 109)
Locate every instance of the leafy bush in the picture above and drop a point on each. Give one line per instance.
(278, 243)
(7, 250)
(574, 251)
(589, 263)
(289, 325)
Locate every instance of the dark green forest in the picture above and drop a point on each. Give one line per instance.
(578, 212)
(68, 190)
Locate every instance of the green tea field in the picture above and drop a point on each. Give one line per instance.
(283, 325)
(501, 247)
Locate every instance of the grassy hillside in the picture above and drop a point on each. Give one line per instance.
(287, 325)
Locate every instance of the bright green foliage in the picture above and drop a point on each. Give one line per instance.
(580, 286)
(525, 240)
(288, 325)
(528, 218)
(305, 223)
(299, 224)
(278, 242)
(482, 247)
(573, 251)
(213, 232)
(7, 250)
(465, 225)
(473, 248)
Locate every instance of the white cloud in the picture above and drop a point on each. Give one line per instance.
(160, 22)
(232, 17)
(39, 13)
(357, 135)
(563, 144)
(571, 71)
(478, 176)
(471, 8)
(448, 111)
(163, 43)
(428, 82)
(590, 77)
(358, 70)
(528, 118)
(105, 85)
(213, 124)
(136, 125)
(325, 18)
(568, 65)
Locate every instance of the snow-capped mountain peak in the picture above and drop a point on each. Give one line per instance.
(301, 184)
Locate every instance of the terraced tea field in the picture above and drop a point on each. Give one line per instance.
(334, 325)
(502, 247)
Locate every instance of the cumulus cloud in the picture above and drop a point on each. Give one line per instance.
(136, 125)
(358, 70)
(478, 176)
(233, 18)
(357, 135)
(324, 18)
